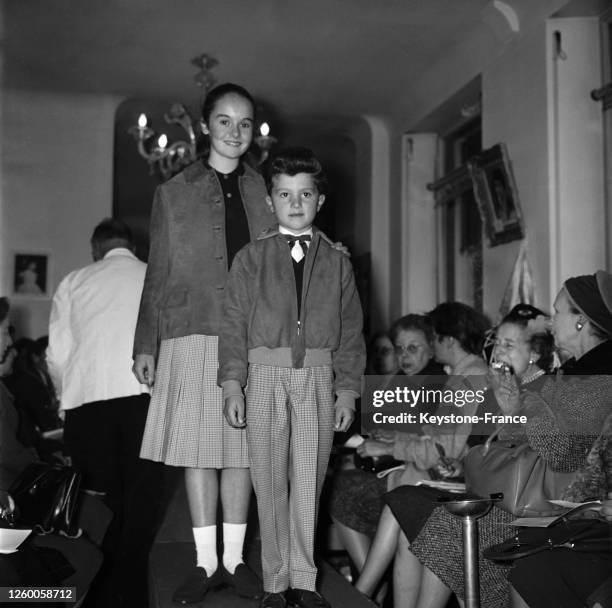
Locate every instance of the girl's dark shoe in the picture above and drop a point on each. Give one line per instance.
(196, 586)
(244, 581)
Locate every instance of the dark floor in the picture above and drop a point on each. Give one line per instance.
(173, 555)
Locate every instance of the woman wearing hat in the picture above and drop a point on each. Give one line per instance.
(582, 324)
(564, 421)
(582, 327)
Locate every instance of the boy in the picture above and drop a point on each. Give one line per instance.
(293, 318)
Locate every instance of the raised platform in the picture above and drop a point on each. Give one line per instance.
(173, 555)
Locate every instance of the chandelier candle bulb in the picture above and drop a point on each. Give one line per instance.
(264, 129)
(162, 142)
(142, 121)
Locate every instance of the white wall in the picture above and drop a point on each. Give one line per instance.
(575, 149)
(558, 165)
(56, 185)
(514, 111)
(418, 222)
(541, 108)
(380, 224)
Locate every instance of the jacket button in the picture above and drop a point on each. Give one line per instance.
(216, 228)
(220, 288)
(218, 257)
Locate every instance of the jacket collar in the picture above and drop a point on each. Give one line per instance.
(273, 231)
(201, 170)
(119, 251)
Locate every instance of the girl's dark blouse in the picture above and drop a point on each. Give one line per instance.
(236, 224)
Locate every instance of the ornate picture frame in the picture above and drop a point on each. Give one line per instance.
(496, 195)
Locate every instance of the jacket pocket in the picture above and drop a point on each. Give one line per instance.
(175, 313)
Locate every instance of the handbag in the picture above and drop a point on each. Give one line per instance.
(519, 473)
(376, 464)
(587, 536)
(46, 496)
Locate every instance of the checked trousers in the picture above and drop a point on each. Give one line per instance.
(290, 428)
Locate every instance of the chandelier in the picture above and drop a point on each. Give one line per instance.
(167, 159)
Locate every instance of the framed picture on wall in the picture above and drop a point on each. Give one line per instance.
(496, 195)
(31, 275)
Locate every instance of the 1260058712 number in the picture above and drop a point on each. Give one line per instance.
(37, 594)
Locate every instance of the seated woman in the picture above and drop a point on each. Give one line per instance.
(430, 568)
(569, 578)
(355, 502)
(381, 355)
(34, 396)
(529, 354)
(74, 562)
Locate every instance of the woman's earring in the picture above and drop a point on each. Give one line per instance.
(579, 325)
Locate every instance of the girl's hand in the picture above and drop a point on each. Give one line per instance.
(144, 369)
(341, 247)
(234, 411)
(371, 447)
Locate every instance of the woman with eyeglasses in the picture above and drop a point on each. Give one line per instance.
(456, 338)
(356, 503)
(564, 419)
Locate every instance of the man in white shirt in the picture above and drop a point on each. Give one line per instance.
(91, 332)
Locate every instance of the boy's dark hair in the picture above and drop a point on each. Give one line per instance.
(412, 323)
(214, 95)
(112, 230)
(291, 161)
(461, 322)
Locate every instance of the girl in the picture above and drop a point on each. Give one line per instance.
(200, 219)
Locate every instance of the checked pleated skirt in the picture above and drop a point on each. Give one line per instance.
(185, 425)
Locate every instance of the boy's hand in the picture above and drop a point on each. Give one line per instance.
(234, 411)
(344, 418)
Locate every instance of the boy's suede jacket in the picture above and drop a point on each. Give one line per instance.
(261, 325)
(185, 281)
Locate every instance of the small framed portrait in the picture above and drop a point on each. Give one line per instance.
(496, 195)
(31, 275)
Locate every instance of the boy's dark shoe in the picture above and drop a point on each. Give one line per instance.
(196, 586)
(244, 581)
(301, 598)
(273, 600)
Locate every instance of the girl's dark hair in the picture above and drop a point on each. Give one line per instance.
(541, 342)
(412, 322)
(291, 161)
(461, 322)
(214, 95)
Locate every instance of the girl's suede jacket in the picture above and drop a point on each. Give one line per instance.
(261, 325)
(187, 269)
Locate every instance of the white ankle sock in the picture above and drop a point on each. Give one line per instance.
(233, 542)
(206, 548)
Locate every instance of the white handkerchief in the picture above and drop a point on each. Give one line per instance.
(11, 538)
